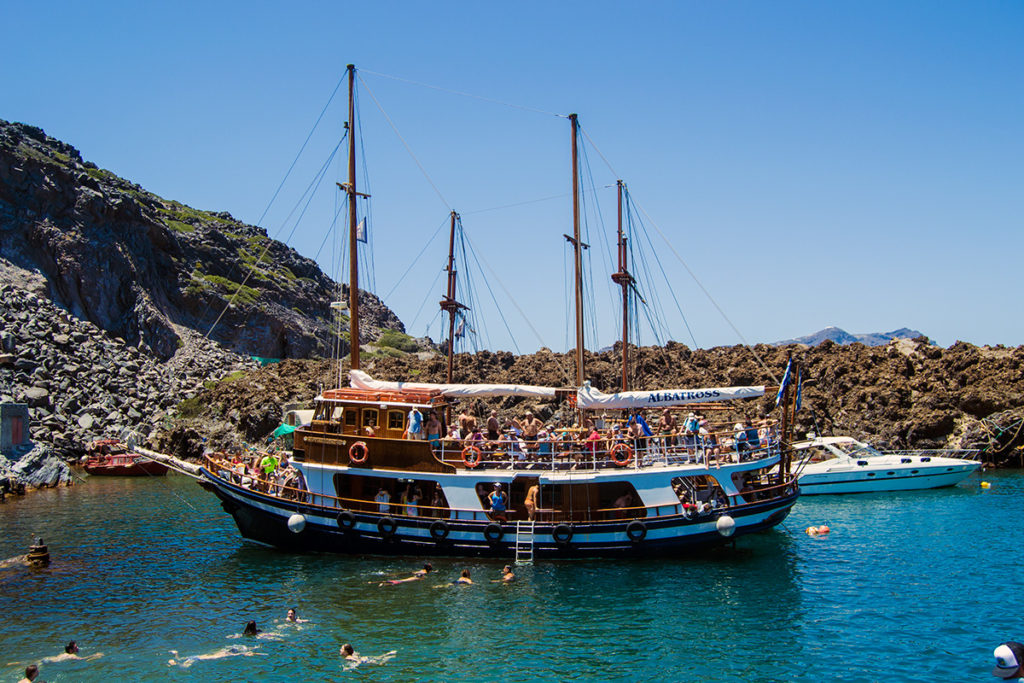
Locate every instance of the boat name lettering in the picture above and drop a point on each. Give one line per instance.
(663, 397)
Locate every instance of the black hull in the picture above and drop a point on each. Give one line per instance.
(264, 519)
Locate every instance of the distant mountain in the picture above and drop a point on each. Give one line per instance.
(840, 336)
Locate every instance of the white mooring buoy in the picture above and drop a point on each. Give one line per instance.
(726, 525)
(296, 523)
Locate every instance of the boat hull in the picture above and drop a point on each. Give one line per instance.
(872, 480)
(141, 468)
(264, 519)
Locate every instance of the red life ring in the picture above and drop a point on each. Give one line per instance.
(358, 452)
(471, 456)
(620, 449)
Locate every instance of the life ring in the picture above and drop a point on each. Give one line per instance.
(636, 530)
(618, 450)
(471, 456)
(345, 519)
(358, 452)
(493, 532)
(562, 534)
(439, 530)
(387, 526)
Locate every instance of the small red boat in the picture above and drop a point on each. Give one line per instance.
(110, 457)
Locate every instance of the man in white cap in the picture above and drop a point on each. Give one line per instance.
(1009, 661)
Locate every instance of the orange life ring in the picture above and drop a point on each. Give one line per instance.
(358, 452)
(618, 450)
(471, 456)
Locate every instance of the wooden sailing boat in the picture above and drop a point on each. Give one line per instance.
(369, 485)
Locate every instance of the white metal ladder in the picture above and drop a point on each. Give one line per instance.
(524, 541)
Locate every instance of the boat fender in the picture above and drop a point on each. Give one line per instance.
(493, 532)
(438, 530)
(296, 523)
(726, 525)
(387, 526)
(636, 530)
(346, 520)
(471, 456)
(562, 534)
(985, 485)
(358, 452)
(621, 454)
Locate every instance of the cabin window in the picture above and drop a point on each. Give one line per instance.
(418, 497)
(396, 419)
(580, 502)
(703, 490)
(350, 417)
(369, 417)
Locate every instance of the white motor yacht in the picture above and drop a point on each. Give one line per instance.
(842, 464)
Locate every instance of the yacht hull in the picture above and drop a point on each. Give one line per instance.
(886, 478)
(264, 519)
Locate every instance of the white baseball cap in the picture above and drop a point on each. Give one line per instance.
(1008, 659)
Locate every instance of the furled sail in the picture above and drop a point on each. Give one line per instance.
(360, 380)
(588, 397)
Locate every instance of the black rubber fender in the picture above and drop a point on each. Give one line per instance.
(562, 534)
(636, 530)
(439, 530)
(493, 532)
(346, 520)
(387, 526)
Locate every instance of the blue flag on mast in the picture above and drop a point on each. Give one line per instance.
(787, 379)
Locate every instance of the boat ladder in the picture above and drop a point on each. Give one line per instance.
(524, 541)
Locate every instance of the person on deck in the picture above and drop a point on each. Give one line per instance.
(499, 503)
(434, 430)
(383, 500)
(530, 503)
(415, 424)
(466, 423)
(493, 427)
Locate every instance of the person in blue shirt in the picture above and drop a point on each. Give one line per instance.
(499, 503)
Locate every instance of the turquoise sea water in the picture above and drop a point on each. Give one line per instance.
(916, 586)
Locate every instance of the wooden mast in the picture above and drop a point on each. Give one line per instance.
(451, 306)
(624, 280)
(353, 259)
(577, 248)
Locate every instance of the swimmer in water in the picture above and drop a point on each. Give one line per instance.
(354, 659)
(230, 651)
(31, 673)
(70, 652)
(506, 574)
(464, 578)
(251, 630)
(416, 576)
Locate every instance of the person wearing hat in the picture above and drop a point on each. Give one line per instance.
(498, 502)
(1009, 661)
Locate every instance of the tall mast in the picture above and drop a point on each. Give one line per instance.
(353, 259)
(577, 245)
(624, 280)
(451, 306)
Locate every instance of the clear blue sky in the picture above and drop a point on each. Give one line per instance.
(858, 164)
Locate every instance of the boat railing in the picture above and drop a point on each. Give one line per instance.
(333, 505)
(632, 453)
(961, 454)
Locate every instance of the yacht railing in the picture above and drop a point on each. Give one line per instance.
(616, 453)
(961, 454)
(333, 505)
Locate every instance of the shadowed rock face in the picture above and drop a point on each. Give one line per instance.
(141, 267)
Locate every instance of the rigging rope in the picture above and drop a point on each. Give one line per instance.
(463, 94)
(405, 144)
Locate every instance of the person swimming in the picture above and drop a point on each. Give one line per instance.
(354, 659)
(464, 578)
(230, 651)
(70, 652)
(251, 630)
(416, 576)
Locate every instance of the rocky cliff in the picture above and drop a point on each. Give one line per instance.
(143, 268)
